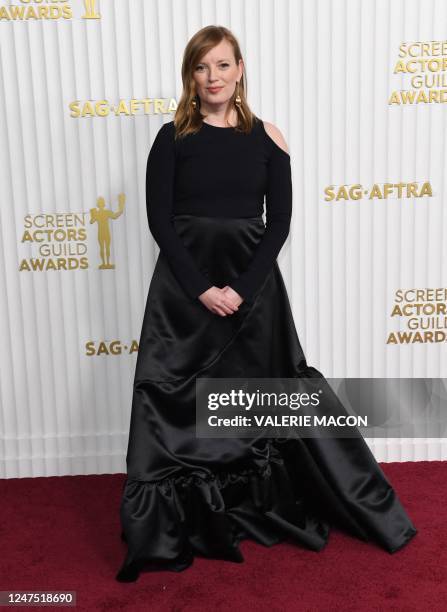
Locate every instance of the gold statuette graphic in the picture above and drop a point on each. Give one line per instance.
(101, 216)
(90, 12)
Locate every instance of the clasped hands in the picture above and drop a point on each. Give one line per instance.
(223, 301)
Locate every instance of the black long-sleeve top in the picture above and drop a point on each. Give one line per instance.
(218, 172)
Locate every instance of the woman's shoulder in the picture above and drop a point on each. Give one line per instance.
(164, 137)
(273, 136)
(165, 134)
(167, 128)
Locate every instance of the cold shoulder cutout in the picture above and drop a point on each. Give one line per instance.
(269, 135)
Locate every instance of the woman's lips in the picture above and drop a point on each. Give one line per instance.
(214, 89)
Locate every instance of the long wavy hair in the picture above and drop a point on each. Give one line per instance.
(188, 119)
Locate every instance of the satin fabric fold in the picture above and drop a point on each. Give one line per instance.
(186, 496)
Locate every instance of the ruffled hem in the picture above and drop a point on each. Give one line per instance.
(168, 522)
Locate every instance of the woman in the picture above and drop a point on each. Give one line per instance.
(218, 308)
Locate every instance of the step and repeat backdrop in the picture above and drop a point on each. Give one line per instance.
(359, 90)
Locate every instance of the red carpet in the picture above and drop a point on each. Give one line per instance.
(63, 533)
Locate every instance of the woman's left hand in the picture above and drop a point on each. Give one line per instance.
(233, 295)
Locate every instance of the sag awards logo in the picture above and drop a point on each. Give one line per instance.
(385, 191)
(102, 216)
(423, 65)
(131, 107)
(90, 10)
(110, 348)
(60, 241)
(46, 9)
(424, 313)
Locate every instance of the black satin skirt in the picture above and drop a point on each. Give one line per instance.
(186, 496)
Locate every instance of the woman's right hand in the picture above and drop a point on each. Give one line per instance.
(218, 302)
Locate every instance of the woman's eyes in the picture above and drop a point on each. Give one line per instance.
(220, 65)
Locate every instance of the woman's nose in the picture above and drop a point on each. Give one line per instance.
(211, 76)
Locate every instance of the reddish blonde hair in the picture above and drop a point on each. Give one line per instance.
(187, 119)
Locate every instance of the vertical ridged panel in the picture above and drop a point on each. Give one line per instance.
(322, 72)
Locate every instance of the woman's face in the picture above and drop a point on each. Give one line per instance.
(216, 74)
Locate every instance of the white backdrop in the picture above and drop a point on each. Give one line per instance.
(81, 102)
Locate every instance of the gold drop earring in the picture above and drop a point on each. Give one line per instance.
(237, 99)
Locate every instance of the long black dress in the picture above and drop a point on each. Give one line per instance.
(184, 495)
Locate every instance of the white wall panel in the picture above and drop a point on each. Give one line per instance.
(323, 73)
